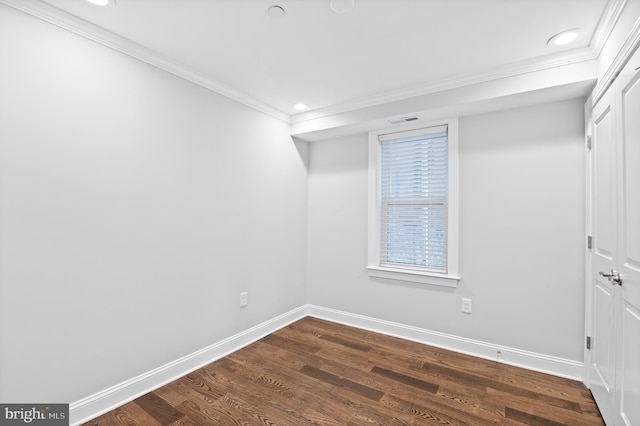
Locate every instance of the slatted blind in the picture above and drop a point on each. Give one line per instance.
(414, 186)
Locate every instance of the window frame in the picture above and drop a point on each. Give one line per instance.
(374, 268)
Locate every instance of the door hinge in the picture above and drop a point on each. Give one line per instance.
(588, 142)
(589, 241)
(588, 342)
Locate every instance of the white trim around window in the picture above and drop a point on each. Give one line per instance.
(450, 277)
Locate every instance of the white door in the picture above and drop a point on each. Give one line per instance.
(627, 398)
(614, 366)
(604, 246)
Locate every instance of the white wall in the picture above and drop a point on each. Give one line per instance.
(134, 208)
(522, 234)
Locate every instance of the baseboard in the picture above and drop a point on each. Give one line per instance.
(530, 360)
(115, 396)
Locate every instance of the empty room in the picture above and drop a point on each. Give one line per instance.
(320, 212)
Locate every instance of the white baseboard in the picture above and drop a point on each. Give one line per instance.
(115, 396)
(520, 358)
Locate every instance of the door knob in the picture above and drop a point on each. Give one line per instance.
(613, 276)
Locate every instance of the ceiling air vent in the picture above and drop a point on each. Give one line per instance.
(403, 120)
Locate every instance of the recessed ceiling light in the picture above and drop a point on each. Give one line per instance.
(342, 6)
(99, 2)
(564, 38)
(276, 11)
(300, 106)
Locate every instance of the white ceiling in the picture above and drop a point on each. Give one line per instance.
(382, 49)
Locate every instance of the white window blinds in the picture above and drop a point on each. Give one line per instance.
(414, 196)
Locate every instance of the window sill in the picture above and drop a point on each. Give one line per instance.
(413, 276)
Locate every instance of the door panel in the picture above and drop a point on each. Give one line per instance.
(605, 176)
(603, 357)
(630, 135)
(628, 408)
(614, 303)
(603, 165)
(628, 362)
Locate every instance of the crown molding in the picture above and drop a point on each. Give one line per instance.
(62, 19)
(612, 11)
(109, 39)
(521, 68)
(630, 45)
(608, 19)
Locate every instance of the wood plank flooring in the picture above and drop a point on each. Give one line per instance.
(316, 372)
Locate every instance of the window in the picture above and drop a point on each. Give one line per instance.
(413, 203)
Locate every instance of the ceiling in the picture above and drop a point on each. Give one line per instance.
(380, 50)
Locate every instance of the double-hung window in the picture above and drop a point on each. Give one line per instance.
(413, 204)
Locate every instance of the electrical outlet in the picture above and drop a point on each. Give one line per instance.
(466, 306)
(244, 298)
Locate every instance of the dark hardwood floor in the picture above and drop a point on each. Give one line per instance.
(315, 372)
